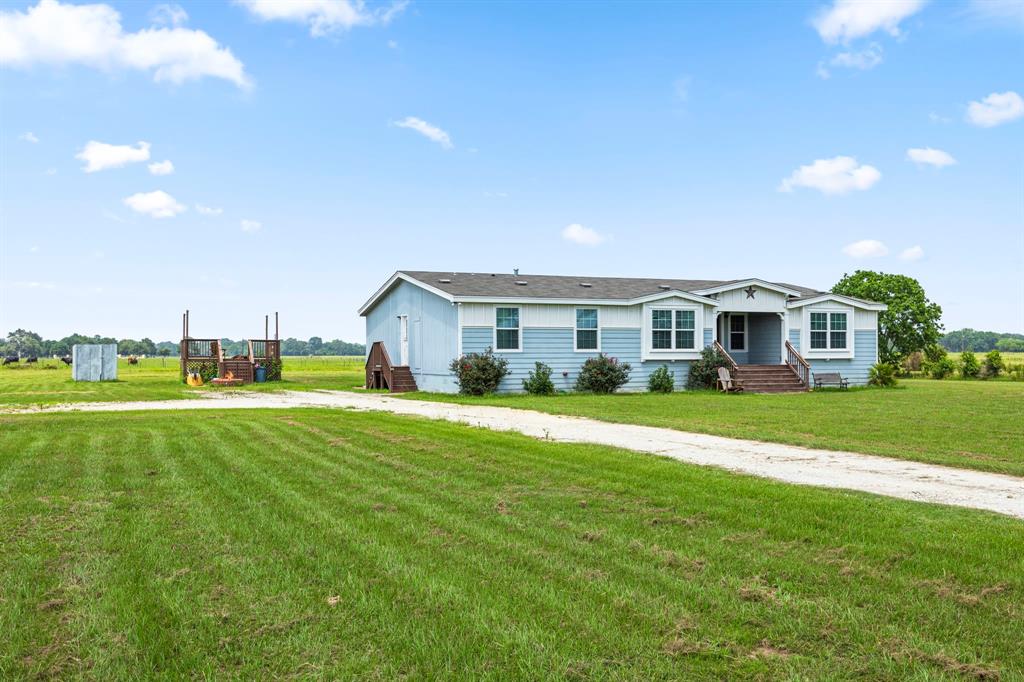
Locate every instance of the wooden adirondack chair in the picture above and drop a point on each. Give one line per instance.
(726, 383)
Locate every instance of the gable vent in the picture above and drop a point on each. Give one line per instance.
(521, 283)
(586, 284)
(444, 280)
(664, 287)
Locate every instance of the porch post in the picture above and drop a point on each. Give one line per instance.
(783, 318)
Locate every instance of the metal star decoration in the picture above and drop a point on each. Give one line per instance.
(750, 292)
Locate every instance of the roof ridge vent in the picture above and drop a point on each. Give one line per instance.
(586, 284)
(445, 280)
(521, 282)
(664, 287)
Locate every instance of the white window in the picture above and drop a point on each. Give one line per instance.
(737, 332)
(587, 330)
(673, 329)
(828, 331)
(507, 329)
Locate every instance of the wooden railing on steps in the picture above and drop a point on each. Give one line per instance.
(380, 373)
(799, 366)
(720, 349)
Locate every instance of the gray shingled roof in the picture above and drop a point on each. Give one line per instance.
(503, 285)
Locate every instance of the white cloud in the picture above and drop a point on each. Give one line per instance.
(393, 44)
(937, 118)
(423, 128)
(847, 20)
(823, 72)
(838, 175)
(100, 155)
(161, 168)
(930, 157)
(28, 137)
(865, 59)
(998, 12)
(35, 285)
(208, 210)
(50, 171)
(866, 248)
(999, 107)
(58, 34)
(33, 249)
(250, 225)
(158, 204)
(323, 16)
(578, 234)
(912, 253)
(168, 15)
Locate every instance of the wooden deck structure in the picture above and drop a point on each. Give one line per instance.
(203, 355)
(381, 374)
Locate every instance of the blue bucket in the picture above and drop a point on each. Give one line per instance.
(261, 375)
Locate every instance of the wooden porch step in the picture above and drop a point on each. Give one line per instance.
(769, 379)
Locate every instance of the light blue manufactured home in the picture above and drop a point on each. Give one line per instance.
(421, 321)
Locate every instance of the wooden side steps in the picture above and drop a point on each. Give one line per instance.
(403, 380)
(768, 379)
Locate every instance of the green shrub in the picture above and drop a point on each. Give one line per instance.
(934, 353)
(602, 374)
(704, 372)
(479, 373)
(1015, 372)
(912, 363)
(539, 380)
(993, 364)
(273, 369)
(969, 366)
(661, 380)
(882, 374)
(940, 369)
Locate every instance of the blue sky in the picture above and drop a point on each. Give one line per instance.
(318, 146)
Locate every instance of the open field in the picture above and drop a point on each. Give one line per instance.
(318, 543)
(972, 424)
(158, 379)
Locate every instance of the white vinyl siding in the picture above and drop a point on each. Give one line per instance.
(507, 331)
(587, 332)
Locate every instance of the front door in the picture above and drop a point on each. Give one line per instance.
(403, 321)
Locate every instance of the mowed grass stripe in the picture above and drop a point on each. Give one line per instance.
(418, 571)
(272, 512)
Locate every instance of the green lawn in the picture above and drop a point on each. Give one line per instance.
(329, 544)
(974, 424)
(50, 382)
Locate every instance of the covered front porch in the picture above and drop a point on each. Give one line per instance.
(751, 338)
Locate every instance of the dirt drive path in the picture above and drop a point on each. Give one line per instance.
(827, 468)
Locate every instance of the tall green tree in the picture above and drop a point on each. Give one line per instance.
(911, 321)
(24, 343)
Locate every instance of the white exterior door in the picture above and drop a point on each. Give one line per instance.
(403, 321)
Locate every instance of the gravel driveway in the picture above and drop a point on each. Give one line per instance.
(826, 468)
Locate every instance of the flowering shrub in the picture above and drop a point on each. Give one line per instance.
(661, 380)
(704, 372)
(539, 380)
(602, 374)
(479, 373)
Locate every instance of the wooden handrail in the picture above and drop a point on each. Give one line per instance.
(720, 349)
(800, 367)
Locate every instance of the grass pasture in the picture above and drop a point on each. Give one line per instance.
(973, 424)
(49, 382)
(328, 544)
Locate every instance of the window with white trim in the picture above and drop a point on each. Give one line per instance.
(828, 331)
(506, 329)
(673, 329)
(737, 332)
(586, 329)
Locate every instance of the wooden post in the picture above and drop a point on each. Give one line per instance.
(277, 328)
(266, 327)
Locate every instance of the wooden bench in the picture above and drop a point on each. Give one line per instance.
(830, 379)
